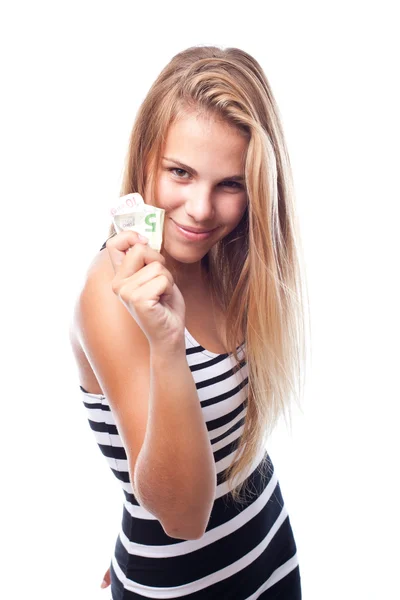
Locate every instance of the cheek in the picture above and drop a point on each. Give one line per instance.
(235, 212)
(167, 194)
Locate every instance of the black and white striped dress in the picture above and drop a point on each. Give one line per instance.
(248, 550)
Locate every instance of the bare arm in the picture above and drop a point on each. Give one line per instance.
(175, 474)
(154, 401)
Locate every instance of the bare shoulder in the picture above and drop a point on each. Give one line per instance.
(112, 353)
(100, 271)
(102, 327)
(101, 265)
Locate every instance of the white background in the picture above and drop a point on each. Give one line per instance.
(73, 75)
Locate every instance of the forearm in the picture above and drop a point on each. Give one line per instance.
(175, 475)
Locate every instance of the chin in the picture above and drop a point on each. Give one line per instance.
(188, 258)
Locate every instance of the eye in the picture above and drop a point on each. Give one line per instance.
(232, 184)
(180, 174)
(175, 170)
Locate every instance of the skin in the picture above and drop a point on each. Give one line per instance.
(208, 199)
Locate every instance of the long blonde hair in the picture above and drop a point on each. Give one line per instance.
(256, 270)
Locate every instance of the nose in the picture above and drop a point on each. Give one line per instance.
(200, 204)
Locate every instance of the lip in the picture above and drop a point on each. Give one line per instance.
(191, 235)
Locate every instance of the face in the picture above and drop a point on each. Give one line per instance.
(200, 185)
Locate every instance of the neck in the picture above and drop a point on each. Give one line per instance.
(187, 276)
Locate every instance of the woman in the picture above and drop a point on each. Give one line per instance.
(187, 357)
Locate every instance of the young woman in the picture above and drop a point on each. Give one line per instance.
(187, 357)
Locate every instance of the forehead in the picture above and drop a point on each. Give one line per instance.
(204, 140)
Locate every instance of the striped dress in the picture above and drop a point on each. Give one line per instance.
(248, 550)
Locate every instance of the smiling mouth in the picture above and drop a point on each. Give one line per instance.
(192, 230)
(193, 235)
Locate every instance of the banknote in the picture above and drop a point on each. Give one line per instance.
(131, 213)
(126, 203)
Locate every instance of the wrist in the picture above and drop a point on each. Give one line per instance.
(165, 350)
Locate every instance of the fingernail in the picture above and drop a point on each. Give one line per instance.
(142, 238)
(103, 583)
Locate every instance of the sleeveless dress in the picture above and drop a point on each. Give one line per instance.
(248, 550)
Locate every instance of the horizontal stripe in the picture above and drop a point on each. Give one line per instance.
(206, 364)
(214, 403)
(236, 421)
(218, 378)
(239, 570)
(105, 438)
(223, 510)
(248, 549)
(225, 519)
(290, 567)
(103, 427)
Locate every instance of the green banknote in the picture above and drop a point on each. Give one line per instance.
(133, 214)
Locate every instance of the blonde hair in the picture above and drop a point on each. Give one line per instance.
(255, 270)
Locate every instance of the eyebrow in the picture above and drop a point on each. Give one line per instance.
(194, 172)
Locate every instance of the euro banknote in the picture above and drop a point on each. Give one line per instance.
(131, 213)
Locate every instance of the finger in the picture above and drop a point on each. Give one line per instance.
(136, 258)
(150, 271)
(119, 245)
(106, 579)
(150, 291)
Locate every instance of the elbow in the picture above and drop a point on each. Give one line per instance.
(180, 531)
(188, 527)
(191, 523)
(183, 518)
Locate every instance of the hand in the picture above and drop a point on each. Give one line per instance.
(146, 288)
(106, 580)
